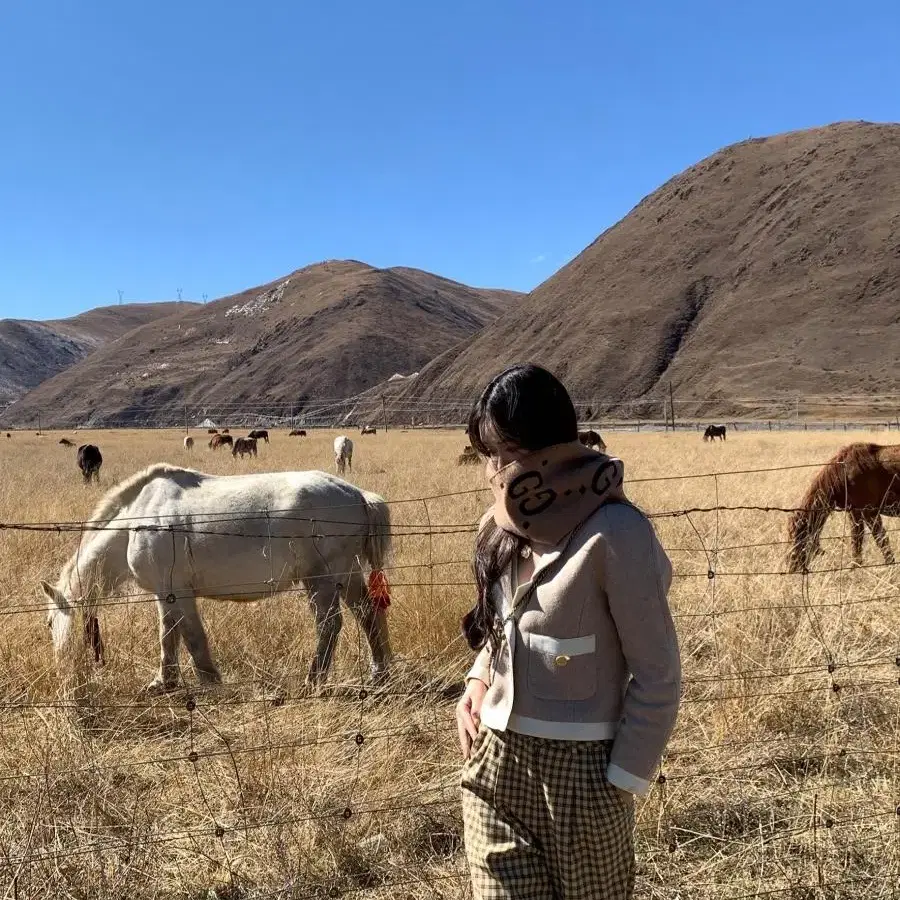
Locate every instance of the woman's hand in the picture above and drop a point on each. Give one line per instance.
(468, 714)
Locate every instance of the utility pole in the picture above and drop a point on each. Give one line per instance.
(672, 405)
(186, 428)
(121, 293)
(39, 422)
(383, 413)
(205, 298)
(292, 417)
(179, 292)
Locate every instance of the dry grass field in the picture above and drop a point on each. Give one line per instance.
(782, 780)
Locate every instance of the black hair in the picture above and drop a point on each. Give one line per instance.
(528, 407)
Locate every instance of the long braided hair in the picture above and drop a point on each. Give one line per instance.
(528, 407)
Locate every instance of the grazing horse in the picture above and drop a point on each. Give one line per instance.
(188, 442)
(220, 440)
(343, 454)
(714, 431)
(89, 461)
(469, 457)
(226, 431)
(297, 432)
(368, 429)
(244, 446)
(260, 434)
(65, 442)
(205, 536)
(864, 480)
(212, 430)
(591, 438)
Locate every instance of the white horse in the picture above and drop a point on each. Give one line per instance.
(188, 443)
(343, 454)
(181, 534)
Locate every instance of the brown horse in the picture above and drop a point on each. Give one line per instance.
(591, 438)
(864, 480)
(220, 440)
(89, 461)
(469, 457)
(297, 432)
(244, 446)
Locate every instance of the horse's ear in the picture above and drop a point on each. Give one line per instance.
(51, 593)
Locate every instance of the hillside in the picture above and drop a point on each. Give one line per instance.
(769, 269)
(31, 352)
(328, 330)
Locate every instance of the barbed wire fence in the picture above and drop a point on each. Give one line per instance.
(781, 780)
(388, 408)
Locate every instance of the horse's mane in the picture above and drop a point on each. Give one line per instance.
(123, 493)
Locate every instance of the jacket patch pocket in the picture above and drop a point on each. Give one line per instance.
(562, 668)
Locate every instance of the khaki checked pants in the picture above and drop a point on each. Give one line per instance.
(543, 823)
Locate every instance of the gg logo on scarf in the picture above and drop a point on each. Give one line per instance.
(608, 475)
(527, 486)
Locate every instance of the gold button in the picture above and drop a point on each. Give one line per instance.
(563, 660)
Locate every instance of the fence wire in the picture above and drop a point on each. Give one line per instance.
(782, 778)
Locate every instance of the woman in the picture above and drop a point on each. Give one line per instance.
(572, 586)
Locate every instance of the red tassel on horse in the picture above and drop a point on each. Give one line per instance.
(379, 590)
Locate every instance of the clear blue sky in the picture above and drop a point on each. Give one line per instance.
(210, 146)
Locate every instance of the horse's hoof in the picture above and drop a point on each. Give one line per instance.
(158, 687)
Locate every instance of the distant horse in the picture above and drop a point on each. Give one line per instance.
(368, 429)
(591, 438)
(260, 434)
(469, 457)
(212, 430)
(714, 431)
(8, 435)
(226, 550)
(297, 432)
(864, 480)
(188, 443)
(343, 454)
(220, 440)
(65, 442)
(225, 431)
(244, 447)
(89, 461)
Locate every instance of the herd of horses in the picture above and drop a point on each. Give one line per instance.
(90, 459)
(862, 479)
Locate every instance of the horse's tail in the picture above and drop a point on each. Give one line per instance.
(377, 547)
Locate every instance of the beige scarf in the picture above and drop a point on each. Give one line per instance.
(548, 494)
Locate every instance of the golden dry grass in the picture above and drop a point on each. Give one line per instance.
(774, 781)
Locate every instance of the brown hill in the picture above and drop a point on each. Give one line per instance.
(769, 269)
(31, 352)
(328, 330)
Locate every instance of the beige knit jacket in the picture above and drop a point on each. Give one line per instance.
(593, 653)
